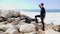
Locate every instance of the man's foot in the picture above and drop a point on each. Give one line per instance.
(43, 29)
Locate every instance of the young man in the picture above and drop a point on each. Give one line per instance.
(42, 15)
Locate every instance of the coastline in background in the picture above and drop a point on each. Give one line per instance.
(38, 10)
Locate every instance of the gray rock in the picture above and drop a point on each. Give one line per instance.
(1, 19)
(27, 28)
(4, 22)
(30, 33)
(50, 31)
(56, 28)
(49, 26)
(17, 14)
(9, 14)
(10, 20)
(11, 31)
(1, 32)
(2, 27)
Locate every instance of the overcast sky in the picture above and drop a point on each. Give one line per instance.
(29, 4)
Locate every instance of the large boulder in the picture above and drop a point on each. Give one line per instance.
(10, 20)
(49, 26)
(22, 22)
(11, 31)
(27, 28)
(51, 31)
(52, 26)
(10, 13)
(40, 31)
(1, 32)
(4, 22)
(9, 25)
(3, 27)
(56, 28)
(16, 21)
(25, 16)
(1, 19)
(21, 33)
(17, 14)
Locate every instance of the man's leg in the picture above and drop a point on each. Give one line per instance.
(36, 18)
(42, 20)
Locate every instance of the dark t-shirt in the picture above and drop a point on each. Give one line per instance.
(43, 13)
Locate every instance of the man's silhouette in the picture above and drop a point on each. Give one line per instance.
(42, 15)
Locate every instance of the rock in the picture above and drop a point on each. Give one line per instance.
(9, 25)
(17, 14)
(16, 22)
(4, 22)
(25, 16)
(33, 22)
(4, 19)
(59, 28)
(27, 28)
(17, 19)
(1, 19)
(1, 32)
(0, 11)
(30, 33)
(2, 28)
(10, 13)
(21, 33)
(10, 20)
(11, 31)
(50, 31)
(22, 22)
(48, 26)
(40, 31)
(56, 28)
(52, 26)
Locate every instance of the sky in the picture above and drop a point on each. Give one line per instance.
(29, 4)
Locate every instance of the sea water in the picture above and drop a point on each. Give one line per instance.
(38, 10)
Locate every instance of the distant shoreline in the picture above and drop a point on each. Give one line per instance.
(38, 10)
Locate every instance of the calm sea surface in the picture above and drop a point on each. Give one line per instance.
(37, 10)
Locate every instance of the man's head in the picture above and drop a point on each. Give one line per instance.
(41, 5)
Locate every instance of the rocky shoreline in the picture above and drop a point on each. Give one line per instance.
(13, 22)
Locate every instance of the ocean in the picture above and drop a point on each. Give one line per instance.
(38, 10)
